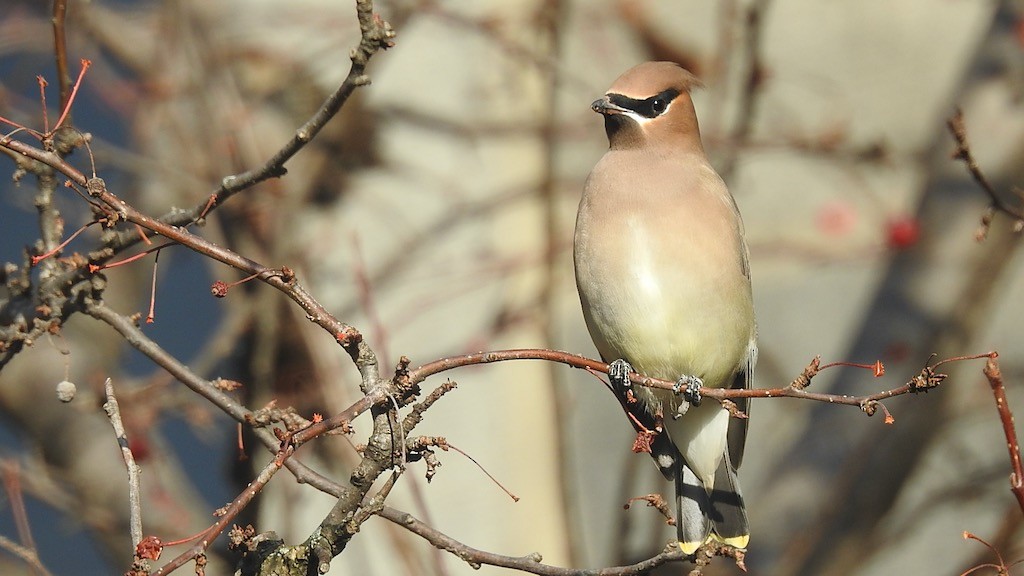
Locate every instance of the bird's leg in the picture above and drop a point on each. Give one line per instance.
(690, 387)
(618, 376)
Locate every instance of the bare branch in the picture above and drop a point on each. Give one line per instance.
(229, 513)
(134, 490)
(995, 380)
(531, 563)
(138, 339)
(347, 336)
(376, 35)
(925, 380)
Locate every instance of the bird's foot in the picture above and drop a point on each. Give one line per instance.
(618, 375)
(690, 387)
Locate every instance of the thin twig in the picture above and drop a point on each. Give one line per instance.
(113, 411)
(484, 470)
(65, 113)
(229, 512)
(963, 152)
(1001, 567)
(376, 34)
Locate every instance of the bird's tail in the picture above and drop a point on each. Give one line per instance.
(703, 514)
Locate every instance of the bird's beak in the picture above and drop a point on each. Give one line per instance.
(604, 106)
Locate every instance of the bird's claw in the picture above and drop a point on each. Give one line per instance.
(618, 375)
(690, 387)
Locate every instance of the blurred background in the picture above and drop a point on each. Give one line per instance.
(435, 214)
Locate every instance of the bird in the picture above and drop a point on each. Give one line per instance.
(663, 275)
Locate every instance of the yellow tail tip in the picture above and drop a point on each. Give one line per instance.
(689, 548)
(734, 541)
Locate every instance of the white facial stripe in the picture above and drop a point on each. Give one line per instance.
(642, 120)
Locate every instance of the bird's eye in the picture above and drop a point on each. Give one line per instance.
(659, 105)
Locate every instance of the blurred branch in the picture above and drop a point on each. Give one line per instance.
(963, 152)
(60, 49)
(550, 18)
(11, 472)
(28, 555)
(753, 24)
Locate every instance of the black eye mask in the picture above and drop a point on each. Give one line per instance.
(649, 108)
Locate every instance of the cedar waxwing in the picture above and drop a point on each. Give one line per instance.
(662, 272)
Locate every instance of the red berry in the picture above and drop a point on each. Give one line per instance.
(903, 232)
(140, 448)
(837, 218)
